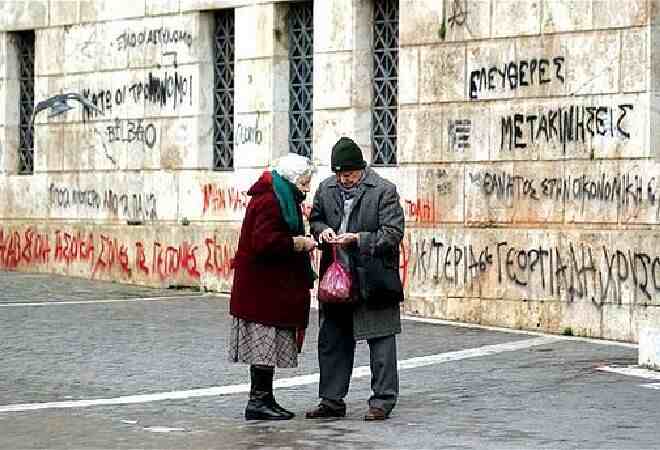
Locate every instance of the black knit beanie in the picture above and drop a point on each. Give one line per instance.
(346, 155)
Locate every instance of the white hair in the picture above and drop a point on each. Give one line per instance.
(293, 167)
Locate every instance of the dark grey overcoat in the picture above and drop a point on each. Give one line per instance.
(377, 216)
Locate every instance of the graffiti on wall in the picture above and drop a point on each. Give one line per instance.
(564, 125)
(246, 134)
(218, 199)
(514, 75)
(458, 12)
(152, 37)
(621, 190)
(108, 256)
(567, 271)
(421, 210)
(123, 205)
(555, 125)
(164, 88)
(427, 207)
(128, 130)
(249, 133)
(458, 135)
(167, 89)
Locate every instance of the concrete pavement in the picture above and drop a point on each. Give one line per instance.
(96, 365)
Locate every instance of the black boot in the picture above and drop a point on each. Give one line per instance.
(276, 406)
(262, 404)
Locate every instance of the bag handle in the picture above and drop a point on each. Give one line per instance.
(334, 252)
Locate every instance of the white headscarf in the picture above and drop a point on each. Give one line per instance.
(293, 167)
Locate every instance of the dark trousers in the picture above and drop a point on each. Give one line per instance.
(336, 356)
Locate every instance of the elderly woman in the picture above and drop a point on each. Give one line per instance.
(273, 276)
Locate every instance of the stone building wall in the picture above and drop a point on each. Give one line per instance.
(527, 131)
(525, 161)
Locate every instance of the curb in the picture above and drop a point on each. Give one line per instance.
(649, 348)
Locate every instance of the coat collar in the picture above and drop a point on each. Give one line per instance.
(369, 179)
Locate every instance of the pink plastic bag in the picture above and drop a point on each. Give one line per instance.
(335, 287)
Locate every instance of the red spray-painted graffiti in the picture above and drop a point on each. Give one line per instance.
(218, 199)
(140, 258)
(70, 248)
(33, 248)
(167, 262)
(111, 257)
(112, 252)
(404, 261)
(219, 258)
(421, 210)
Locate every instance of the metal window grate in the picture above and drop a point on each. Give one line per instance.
(223, 123)
(385, 81)
(301, 70)
(25, 52)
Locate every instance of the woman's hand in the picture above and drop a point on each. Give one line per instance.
(303, 244)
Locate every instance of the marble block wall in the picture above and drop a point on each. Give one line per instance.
(526, 155)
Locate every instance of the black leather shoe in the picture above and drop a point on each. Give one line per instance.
(323, 411)
(375, 414)
(262, 409)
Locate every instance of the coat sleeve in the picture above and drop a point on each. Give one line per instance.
(270, 235)
(391, 222)
(317, 219)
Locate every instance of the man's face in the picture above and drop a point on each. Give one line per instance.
(349, 178)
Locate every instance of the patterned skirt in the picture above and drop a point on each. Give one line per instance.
(254, 343)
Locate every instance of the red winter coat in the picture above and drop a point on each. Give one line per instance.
(271, 285)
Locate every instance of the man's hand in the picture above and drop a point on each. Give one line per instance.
(328, 236)
(347, 239)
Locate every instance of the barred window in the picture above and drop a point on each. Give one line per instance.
(25, 53)
(301, 69)
(385, 81)
(223, 123)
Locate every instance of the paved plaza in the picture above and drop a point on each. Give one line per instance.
(92, 365)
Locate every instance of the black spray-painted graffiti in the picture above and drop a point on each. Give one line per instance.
(132, 131)
(568, 124)
(459, 135)
(174, 58)
(568, 271)
(63, 197)
(620, 188)
(158, 36)
(515, 74)
(166, 89)
(626, 190)
(438, 181)
(246, 134)
(458, 13)
(139, 205)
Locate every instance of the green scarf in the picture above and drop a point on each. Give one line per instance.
(285, 191)
(289, 197)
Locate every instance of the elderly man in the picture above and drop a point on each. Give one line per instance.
(359, 212)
